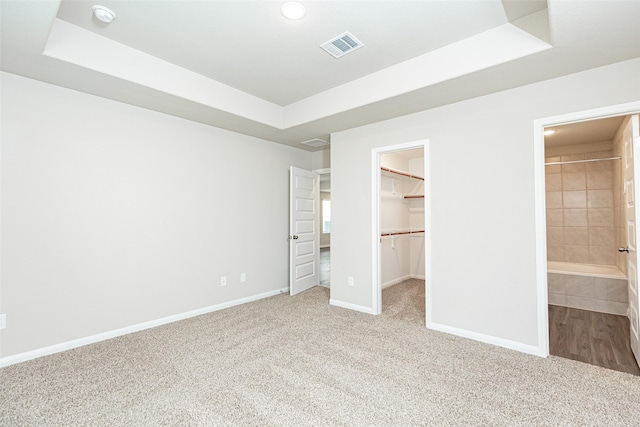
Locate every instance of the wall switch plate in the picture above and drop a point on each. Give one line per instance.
(223, 280)
(243, 277)
(350, 281)
(3, 321)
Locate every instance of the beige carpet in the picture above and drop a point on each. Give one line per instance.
(289, 361)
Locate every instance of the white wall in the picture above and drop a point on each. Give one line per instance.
(321, 159)
(483, 275)
(113, 215)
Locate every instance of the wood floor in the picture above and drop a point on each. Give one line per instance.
(587, 336)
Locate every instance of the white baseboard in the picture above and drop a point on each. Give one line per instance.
(57, 348)
(401, 279)
(350, 306)
(500, 342)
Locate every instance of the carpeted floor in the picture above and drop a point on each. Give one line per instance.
(291, 361)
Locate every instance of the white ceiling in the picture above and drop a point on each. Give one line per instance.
(241, 66)
(250, 46)
(600, 130)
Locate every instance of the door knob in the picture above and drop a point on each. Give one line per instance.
(294, 237)
(623, 249)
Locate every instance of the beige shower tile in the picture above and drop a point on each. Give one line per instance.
(555, 253)
(580, 302)
(571, 157)
(554, 217)
(553, 169)
(621, 262)
(611, 307)
(598, 166)
(617, 169)
(580, 286)
(576, 236)
(600, 217)
(574, 253)
(602, 236)
(554, 199)
(574, 181)
(602, 255)
(573, 167)
(557, 299)
(555, 283)
(553, 182)
(600, 198)
(600, 179)
(574, 199)
(611, 289)
(575, 217)
(602, 165)
(555, 235)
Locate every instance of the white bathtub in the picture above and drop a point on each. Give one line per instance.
(588, 287)
(606, 271)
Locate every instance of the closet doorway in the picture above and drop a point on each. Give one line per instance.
(401, 200)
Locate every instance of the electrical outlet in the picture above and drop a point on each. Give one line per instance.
(223, 280)
(350, 281)
(3, 321)
(243, 277)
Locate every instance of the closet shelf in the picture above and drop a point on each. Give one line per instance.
(398, 172)
(397, 233)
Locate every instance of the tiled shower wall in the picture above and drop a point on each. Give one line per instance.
(580, 208)
(588, 293)
(619, 210)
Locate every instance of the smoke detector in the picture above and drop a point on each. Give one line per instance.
(103, 14)
(315, 143)
(341, 45)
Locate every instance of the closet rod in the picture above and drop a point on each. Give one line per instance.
(396, 233)
(581, 161)
(401, 173)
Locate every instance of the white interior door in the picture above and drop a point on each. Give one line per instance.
(631, 141)
(304, 243)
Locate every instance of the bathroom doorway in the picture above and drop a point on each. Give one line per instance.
(591, 302)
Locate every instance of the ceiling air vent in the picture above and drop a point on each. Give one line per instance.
(341, 45)
(315, 143)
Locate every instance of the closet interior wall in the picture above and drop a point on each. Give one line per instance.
(402, 256)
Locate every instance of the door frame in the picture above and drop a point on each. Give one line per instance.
(541, 208)
(376, 285)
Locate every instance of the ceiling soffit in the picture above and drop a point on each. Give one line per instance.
(504, 43)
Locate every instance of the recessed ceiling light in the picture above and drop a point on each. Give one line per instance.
(549, 132)
(293, 10)
(103, 14)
